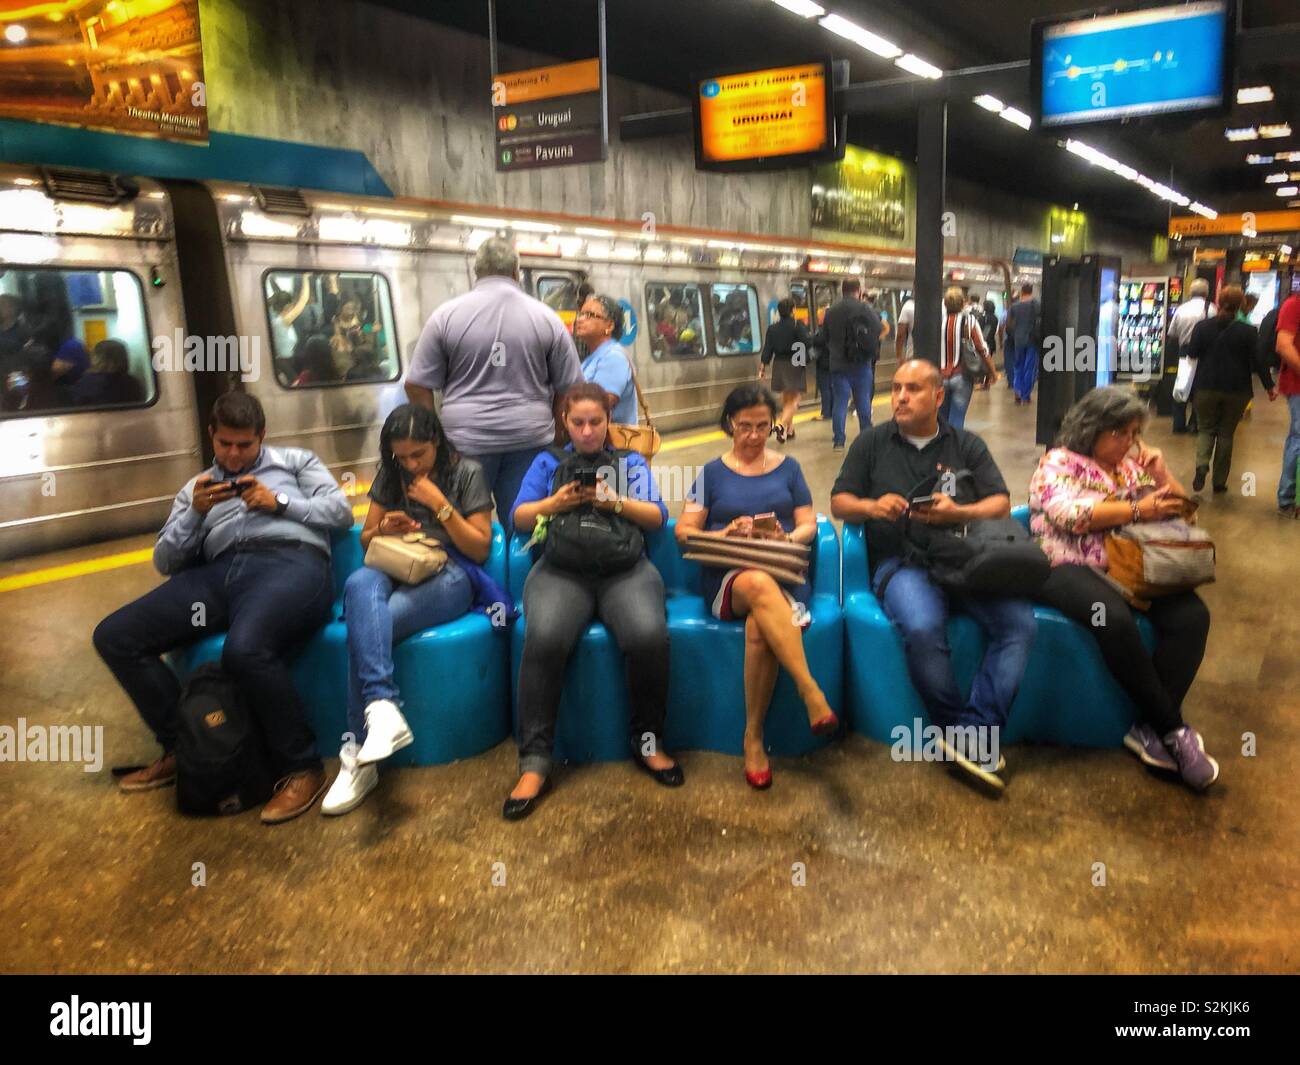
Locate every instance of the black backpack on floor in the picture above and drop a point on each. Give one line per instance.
(586, 540)
(222, 765)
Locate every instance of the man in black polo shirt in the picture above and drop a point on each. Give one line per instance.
(881, 473)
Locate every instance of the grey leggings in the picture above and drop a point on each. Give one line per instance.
(559, 605)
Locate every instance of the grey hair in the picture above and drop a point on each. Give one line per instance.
(1095, 413)
(496, 257)
(612, 310)
(1200, 287)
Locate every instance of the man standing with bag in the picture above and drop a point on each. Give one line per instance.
(852, 332)
(1194, 310)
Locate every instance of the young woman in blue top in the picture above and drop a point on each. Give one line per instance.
(559, 603)
(599, 327)
(750, 480)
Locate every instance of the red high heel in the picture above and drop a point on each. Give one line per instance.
(761, 780)
(825, 726)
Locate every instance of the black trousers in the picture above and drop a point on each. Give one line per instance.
(559, 606)
(1157, 682)
(266, 601)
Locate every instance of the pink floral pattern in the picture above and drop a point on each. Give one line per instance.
(1063, 491)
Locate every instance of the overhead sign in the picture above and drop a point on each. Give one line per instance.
(126, 68)
(1026, 258)
(759, 119)
(549, 116)
(1149, 61)
(1235, 224)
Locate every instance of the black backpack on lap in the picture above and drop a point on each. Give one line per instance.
(222, 765)
(586, 540)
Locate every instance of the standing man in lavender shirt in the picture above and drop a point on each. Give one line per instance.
(500, 359)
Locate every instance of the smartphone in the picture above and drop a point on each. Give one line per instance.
(765, 523)
(587, 477)
(921, 501)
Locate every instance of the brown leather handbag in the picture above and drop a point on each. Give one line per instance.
(643, 439)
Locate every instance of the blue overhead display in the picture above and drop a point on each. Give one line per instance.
(227, 157)
(1144, 62)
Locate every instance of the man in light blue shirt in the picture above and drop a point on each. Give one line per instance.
(501, 360)
(247, 551)
(599, 327)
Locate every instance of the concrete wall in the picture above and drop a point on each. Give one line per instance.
(414, 97)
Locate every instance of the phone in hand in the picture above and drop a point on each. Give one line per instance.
(587, 477)
(921, 502)
(764, 525)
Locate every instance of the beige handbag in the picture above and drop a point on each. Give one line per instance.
(643, 439)
(1159, 558)
(785, 561)
(409, 559)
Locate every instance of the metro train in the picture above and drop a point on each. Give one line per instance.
(313, 301)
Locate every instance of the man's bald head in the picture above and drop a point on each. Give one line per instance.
(916, 396)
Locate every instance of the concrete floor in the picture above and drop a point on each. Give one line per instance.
(907, 870)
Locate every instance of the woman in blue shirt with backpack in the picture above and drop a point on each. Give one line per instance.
(592, 564)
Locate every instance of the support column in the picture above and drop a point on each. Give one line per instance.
(931, 192)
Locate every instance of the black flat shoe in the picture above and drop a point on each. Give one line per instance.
(1220, 488)
(1198, 482)
(518, 809)
(669, 778)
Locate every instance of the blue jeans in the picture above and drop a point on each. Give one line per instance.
(505, 472)
(956, 398)
(1026, 371)
(267, 602)
(1290, 455)
(860, 381)
(381, 613)
(919, 610)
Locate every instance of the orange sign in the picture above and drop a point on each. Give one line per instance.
(764, 113)
(541, 83)
(1237, 224)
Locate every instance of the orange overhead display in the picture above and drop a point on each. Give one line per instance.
(778, 113)
(542, 83)
(129, 67)
(1259, 221)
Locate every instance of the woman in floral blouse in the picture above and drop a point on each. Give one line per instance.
(1100, 476)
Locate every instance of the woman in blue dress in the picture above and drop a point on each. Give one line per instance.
(750, 480)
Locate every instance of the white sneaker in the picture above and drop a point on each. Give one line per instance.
(351, 786)
(386, 732)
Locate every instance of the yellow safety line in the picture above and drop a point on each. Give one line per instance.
(136, 558)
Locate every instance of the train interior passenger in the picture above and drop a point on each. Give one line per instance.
(71, 340)
(330, 328)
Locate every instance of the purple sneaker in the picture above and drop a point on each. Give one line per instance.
(1197, 768)
(1143, 741)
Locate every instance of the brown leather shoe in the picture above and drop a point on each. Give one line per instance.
(159, 775)
(295, 794)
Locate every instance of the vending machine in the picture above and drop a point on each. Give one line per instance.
(1144, 313)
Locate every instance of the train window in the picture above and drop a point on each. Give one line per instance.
(799, 293)
(72, 340)
(330, 327)
(735, 319)
(676, 316)
(562, 294)
(824, 293)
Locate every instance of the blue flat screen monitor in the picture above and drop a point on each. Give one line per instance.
(1148, 61)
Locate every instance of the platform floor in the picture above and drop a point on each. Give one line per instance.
(907, 870)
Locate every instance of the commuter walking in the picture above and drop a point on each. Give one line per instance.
(1193, 310)
(852, 332)
(786, 349)
(1022, 335)
(1287, 348)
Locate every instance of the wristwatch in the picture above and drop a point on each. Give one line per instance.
(445, 512)
(281, 502)
(618, 505)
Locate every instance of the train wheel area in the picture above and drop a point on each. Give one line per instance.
(851, 861)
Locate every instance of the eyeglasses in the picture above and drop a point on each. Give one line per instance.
(745, 429)
(592, 314)
(1122, 434)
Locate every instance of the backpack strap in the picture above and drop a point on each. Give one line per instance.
(640, 396)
